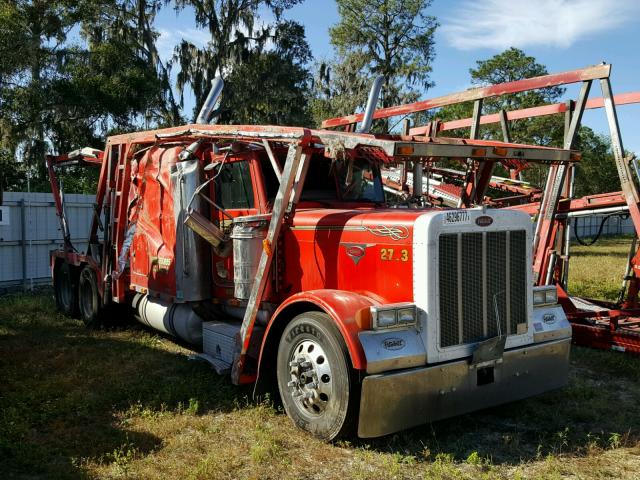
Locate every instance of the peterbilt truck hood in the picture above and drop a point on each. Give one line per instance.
(366, 250)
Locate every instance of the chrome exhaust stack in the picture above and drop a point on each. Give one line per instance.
(374, 94)
(205, 114)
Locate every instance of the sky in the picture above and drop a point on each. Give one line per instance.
(561, 34)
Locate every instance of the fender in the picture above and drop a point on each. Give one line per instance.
(341, 306)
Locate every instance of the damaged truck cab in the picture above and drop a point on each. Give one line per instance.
(274, 251)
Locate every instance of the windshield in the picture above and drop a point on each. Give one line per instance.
(354, 181)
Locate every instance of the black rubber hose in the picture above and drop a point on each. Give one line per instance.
(624, 216)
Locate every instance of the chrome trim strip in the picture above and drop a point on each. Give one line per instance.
(394, 232)
(328, 227)
(507, 288)
(485, 317)
(460, 297)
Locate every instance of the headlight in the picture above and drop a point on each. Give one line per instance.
(388, 316)
(539, 297)
(407, 315)
(547, 295)
(552, 296)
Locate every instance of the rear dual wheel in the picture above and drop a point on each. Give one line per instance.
(89, 297)
(65, 288)
(78, 295)
(317, 385)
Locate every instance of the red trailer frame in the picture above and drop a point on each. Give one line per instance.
(597, 324)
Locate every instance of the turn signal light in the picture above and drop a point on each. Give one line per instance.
(405, 150)
(363, 318)
(478, 152)
(266, 246)
(500, 151)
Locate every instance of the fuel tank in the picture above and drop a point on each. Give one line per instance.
(248, 234)
(177, 319)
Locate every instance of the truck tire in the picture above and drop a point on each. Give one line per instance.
(317, 385)
(65, 288)
(89, 298)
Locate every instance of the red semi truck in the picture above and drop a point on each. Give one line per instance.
(274, 251)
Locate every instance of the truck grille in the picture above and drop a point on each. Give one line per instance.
(483, 277)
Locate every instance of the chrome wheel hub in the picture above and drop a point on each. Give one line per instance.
(311, 378)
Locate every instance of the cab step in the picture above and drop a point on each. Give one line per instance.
(221, 340)
(220, 366)
(219, 344)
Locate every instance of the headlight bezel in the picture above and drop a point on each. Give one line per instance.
(546, 295)
(404, 315)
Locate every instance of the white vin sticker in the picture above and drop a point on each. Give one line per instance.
(456, 217)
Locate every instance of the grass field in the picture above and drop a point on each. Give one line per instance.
(596, 271)
(127, 403)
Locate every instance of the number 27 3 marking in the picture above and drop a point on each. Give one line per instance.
(387, 254)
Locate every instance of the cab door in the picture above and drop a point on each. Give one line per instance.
(234, 191)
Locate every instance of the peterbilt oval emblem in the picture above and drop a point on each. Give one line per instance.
(484, 221)
(393, 343)
(355, 251)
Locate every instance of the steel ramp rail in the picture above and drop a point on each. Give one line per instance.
(525, 113)
(291, 183)
(473, 94)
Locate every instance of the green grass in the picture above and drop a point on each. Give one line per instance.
(127, 403)
(597, 271)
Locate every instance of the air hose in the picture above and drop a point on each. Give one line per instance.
(624, 216)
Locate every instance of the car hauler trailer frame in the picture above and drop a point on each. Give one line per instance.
(273, 250)
(596, 323)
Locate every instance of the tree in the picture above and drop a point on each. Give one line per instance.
(31, 36)
(511, 65)
(339, 87)
(596, 172)
(234, 36)
(393, 38)
(57, 93)
(130, 22)
(270, 87)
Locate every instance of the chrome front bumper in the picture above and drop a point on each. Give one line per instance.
(397, 400)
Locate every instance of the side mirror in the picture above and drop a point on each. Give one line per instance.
(212, 166)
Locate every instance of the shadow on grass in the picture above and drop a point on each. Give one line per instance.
(67, 394)
(66, 391)
(597, 410)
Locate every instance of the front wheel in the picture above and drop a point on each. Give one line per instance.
(315, 379)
